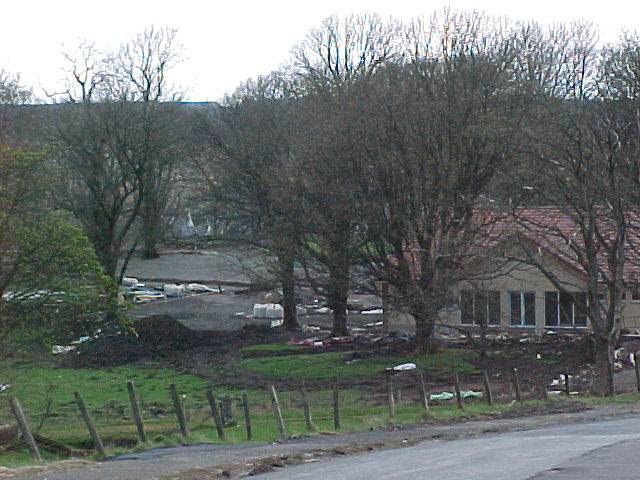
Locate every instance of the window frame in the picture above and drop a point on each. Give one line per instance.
(522, 302)
(486, 299)
(630, 294)
(561, 312)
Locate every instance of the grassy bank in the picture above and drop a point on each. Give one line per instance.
(350, 364)
(46, 394)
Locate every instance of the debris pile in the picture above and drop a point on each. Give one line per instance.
(139, 292)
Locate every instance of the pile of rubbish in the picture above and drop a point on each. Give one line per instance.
(62, 349)
(138, 292)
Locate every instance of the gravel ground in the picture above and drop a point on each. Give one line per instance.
(235, 265)
(232, 267)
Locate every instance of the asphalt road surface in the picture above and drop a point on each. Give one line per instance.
(231, 267)
(606, 450)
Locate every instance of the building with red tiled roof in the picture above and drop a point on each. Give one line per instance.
(530, 271)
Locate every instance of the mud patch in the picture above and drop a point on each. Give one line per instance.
(162, 337)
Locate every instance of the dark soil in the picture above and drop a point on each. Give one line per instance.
(162, 337)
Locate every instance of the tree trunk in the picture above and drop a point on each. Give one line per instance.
(604, 367)
(425, 329)
(151, 227)
(287, 280)
(149, 251)
(109, 261)
(339, 328)
(337, 295)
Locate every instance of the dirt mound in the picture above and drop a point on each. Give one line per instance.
(154, 336)
(165, 330)
(160, 336)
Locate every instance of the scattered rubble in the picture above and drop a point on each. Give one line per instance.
(375, 311)
(62, 349)
(434, 397)
(403, 367)
(268, 310)
(139, 292)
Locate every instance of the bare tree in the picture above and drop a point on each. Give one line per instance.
(118, 142)
(437, 128)
(143, 64)
(329, 168)
(12, 94)
(557, 61)
(87, 69)
(343, 50)
(588, 145)
(100, 154)
(327, 66)
(12, 91)
(253, 134)
(591, 163)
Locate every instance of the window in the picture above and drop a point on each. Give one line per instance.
(565, 309)
(479, 307)
(523, 308)
(633, 296)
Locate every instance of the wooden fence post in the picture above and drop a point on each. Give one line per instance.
(135, 409)
(215, 413)
(24, 428)
(392, 405)
(611, 388)
(179, 406)
(487, 387)
(543, 391)
(636, 358)
(456, 386)
(247, 414)
(516, 385)
(277, 413)
(90, 426)
(336, 404)
(422, 391)
(305, 407)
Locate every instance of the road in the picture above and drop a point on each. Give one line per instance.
(605, 450)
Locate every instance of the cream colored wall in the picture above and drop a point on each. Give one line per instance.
(515, 276)
(631, 315)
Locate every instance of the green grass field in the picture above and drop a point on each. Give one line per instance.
(332, 364)
(46, 394)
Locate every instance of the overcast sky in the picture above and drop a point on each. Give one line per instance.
(227, 41)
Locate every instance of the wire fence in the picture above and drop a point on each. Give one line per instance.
(290, 408)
